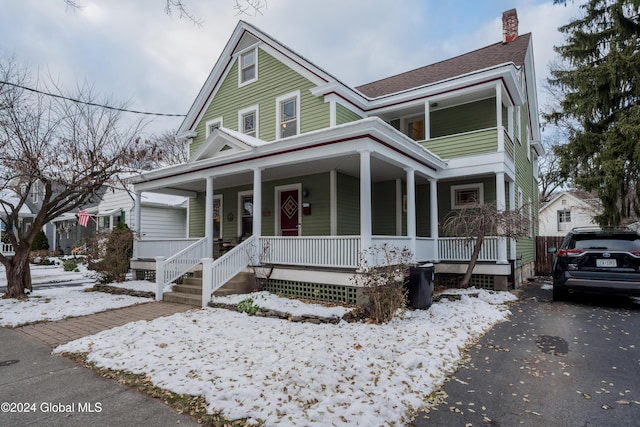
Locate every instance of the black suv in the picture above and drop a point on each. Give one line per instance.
(597, 260)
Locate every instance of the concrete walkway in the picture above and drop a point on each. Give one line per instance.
(65, 330)
(38, 389)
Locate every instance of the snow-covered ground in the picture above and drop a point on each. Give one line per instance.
(57, 302)
(272, 370)
(286, 373)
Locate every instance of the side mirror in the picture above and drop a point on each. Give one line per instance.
(552, 250)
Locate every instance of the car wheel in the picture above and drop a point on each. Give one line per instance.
(559, 294)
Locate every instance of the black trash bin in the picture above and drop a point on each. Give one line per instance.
(420, 286)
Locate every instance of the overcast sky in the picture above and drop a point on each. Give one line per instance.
(132, 51)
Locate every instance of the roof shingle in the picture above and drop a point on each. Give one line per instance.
(486, 57)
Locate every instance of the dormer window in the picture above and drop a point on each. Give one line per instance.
(248, 69)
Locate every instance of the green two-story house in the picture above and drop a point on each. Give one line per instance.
(293, 169)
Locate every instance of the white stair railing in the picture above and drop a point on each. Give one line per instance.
(169, 269)
(215, 273)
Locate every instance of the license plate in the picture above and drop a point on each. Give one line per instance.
(605, 263)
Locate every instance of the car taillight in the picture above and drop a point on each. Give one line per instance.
(570, 252)
(635, 252)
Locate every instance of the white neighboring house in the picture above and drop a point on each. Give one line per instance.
(566, 210)
(161, 214)
(25, 216)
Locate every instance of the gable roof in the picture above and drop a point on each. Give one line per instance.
(579, 198)
(486, 57)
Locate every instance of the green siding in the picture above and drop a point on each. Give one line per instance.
(318, 196)
(274, 79)
(348, 205)
(444, 194)
(423, 208)
(525, 180)
(467, 144)
(196, 216)
(315, 224)
(464, 118)
(383, 201)
(344, 115)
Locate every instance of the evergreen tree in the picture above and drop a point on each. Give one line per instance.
(599, 79)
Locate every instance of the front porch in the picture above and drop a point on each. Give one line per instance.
(317, 201)
(311, 261)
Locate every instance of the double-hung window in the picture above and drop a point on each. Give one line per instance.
(248, 121)
(288, 114)
(248, 70)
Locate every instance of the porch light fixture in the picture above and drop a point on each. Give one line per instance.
(434, 105)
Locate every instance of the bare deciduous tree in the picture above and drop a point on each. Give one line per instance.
(242, 7)
(475, 222)
(550, 178)
(59, 150)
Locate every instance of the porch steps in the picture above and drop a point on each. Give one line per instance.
(190, 290)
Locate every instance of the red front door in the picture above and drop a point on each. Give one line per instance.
(289, 207)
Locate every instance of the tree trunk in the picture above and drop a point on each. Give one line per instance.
(18, 273)
(472, 262)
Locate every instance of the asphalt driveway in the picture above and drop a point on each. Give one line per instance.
(574, 363)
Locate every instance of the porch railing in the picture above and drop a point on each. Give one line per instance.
(169, 269)
(215, 273)
(460, 249)
(151, 248)
(316, 251)
(7, 249)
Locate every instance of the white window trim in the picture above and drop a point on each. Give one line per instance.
(219, 197)
(242, 194)
(531, 225)
(255, 53)
(253, 108)
(286, 97)
(477, 185)
(528, 136)
(211, 122)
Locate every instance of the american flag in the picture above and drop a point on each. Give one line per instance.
(83, 218)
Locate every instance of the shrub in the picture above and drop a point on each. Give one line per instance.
(247, 306)
(40, 242)
(383, 274)
(70, 264)
(109, 253)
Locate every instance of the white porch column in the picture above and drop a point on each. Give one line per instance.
(256, 250)
(399, 207)
(510, 111)
(411, 210)
(257, 202)
(365, 199)
(137, 221)
(427, 120)
(501, 205)
(512, 206)
(433, 215)
(208, 218)
(499, 117)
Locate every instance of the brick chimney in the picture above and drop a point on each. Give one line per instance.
(509, 26)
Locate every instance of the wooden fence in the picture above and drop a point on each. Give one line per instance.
(544, 259)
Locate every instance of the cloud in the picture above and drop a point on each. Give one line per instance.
(134, 51)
